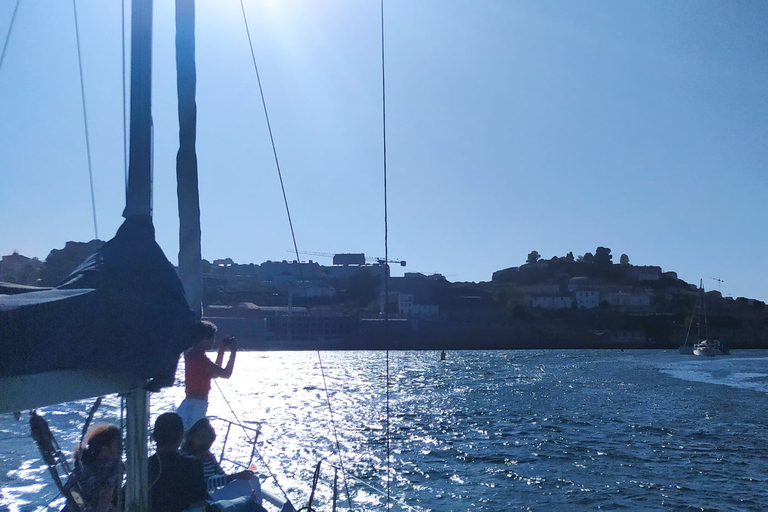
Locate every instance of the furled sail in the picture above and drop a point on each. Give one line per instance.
(118, 322)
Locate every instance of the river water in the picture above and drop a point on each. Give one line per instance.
(480, 431)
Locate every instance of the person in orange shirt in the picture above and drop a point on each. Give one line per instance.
(199, 370)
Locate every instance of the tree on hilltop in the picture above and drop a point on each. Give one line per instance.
(603, 256)
(624, 260)
(569, 257)
(533, 257)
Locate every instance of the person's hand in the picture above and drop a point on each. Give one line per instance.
(230, 342)
(246, 474)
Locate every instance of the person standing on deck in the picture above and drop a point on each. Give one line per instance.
(199, 370)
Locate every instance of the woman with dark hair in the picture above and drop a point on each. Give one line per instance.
(199, 370)
(96, 478)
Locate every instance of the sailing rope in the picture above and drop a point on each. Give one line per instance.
(85, 122)
(315, 478)
(52, 455)
(335, 434)
(386, 243)
(8, 36)
(89, 419)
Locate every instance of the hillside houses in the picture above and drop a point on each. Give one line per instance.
(408, 308)
(15, 268)
(591, 296)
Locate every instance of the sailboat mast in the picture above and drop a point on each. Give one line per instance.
(138, 195)
(190, 254)
(138, 202)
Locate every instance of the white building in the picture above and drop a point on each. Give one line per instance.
(314, 290)
(578, 283)
(549, 301)
(407, 307)
(628, 299)
(587, 299)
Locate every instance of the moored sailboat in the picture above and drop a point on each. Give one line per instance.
(704, 346)
(688, 344)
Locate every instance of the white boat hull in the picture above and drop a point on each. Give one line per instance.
(708, 348)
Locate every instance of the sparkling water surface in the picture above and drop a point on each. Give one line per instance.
(480, 431)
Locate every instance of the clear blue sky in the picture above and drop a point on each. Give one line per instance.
(553, 126)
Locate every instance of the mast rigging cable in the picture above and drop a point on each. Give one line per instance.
(269, 128)
(293, 234)
(85, 122)
(125, 115)
(8, 36)
(386, 243)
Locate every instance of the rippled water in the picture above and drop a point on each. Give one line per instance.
(480, 431)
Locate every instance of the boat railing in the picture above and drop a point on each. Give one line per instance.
(235, 432)
(250, 434)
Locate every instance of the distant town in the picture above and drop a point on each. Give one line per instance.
(585, 301)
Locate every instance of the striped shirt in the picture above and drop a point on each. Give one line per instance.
(215, 477)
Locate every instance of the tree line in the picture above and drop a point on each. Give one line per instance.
(601, 256)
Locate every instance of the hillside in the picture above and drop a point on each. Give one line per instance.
(564, 302)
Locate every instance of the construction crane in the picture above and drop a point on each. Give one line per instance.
(381, 261)
(353, 258)
(324, 254)
(719, 282)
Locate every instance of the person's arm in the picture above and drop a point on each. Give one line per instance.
(216, 369)
(216, 481)
(245, 474)
(220, 355)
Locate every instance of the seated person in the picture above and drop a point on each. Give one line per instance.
(197, 443)
(176, 481)
(96, 478)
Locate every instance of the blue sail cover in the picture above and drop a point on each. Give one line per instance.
(123, 311)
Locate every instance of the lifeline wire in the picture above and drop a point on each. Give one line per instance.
(234, 415)
(85, 122)
(386, 242)
(8, 37)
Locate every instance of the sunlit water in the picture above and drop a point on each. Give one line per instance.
(480, 431)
